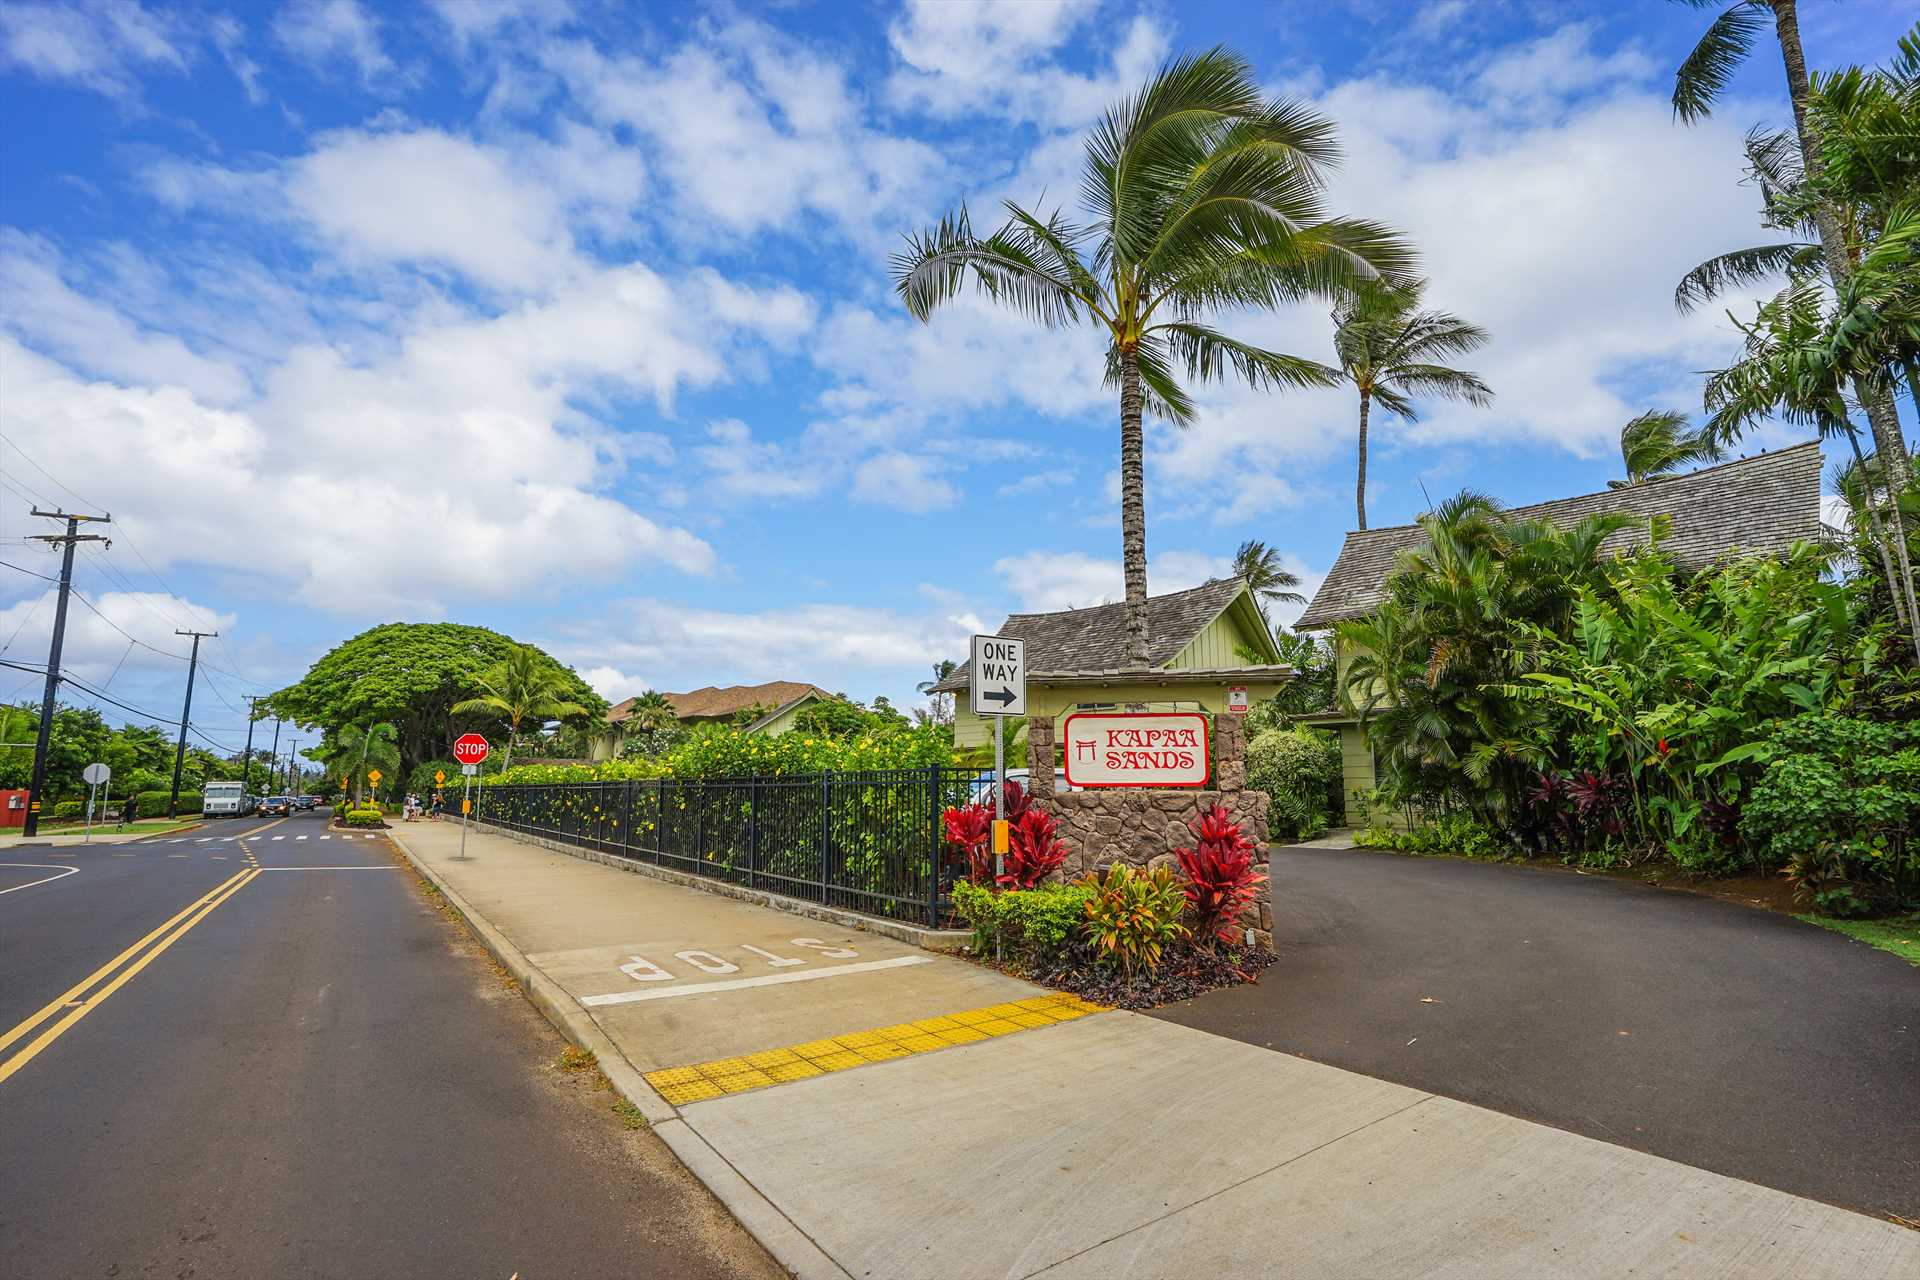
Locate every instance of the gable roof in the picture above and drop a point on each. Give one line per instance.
(1095, 639)
(1761, 504)
(715, 702)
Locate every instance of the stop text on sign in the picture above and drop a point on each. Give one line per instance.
(470, 748)
(1136, 749)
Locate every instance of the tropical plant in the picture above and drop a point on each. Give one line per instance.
(1658, 443)
(1133, 915)
(1704, 76)
(1430, 665)
(1669, 687)
(968, 828)
(1270, 581)
(1034, 849)
(354, 750)
(1837, 807)
(1039, 930)
(523, 686)
(1222, 878)
(939, 705)
(1388, 350)
(1204, 197)
(1298, 768)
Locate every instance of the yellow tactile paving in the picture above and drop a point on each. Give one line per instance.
(704, 1080)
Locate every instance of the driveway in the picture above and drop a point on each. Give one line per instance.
(1720, 1036)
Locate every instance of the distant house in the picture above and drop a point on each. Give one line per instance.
(1199, 642)
(777, 701)
(1757, 505)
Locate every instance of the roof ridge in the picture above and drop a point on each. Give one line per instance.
(1117, 604)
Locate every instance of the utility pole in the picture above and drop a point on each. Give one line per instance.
(273, 769)
(293, 759)
(246, 757)
(69, 540)
(186, 713)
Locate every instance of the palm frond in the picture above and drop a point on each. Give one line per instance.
(1742, 267)
(1004, 265)
(1208, 353)
(1722, 48)
(1164, 397)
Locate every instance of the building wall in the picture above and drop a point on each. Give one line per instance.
(1214, 646)
(970, 730)
(784, 722)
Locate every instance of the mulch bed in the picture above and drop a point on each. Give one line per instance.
(351, 826)
(1182, 975)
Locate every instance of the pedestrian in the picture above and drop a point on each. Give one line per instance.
(437, 803)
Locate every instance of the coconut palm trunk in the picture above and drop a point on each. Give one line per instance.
(1133, 508)
(1360, 489)
(1878, 402)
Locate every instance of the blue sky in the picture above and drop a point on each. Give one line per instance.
(573, 319)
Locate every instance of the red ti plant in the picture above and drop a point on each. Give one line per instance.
(969, 827)
(1221, 876)
(1033, 849)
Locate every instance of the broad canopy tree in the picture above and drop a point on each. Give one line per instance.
(411, 675)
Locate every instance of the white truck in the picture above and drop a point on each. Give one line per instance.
(225, 800)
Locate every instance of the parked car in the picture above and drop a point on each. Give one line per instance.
(980, 790)
(305, 803)
(276, 806)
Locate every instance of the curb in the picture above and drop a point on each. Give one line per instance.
(791, 1247)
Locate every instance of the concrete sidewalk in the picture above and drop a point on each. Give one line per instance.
(901, 1114)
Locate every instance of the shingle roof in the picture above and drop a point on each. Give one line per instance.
(1761, 504)
(714, 701)
(1095, 639)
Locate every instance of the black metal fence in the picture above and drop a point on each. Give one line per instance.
(868, 842)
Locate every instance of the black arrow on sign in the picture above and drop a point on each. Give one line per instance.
(1003, 697)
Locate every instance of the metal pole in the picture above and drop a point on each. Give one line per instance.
(186, 717)
(999, 790)
(293, 754)
(466, 797)
(70, 539)
(92, 789)
(246, 759)
(273, 766)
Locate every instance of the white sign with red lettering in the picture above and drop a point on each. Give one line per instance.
(1136, 749)
(1237, 700)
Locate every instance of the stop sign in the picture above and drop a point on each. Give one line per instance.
(470, 748)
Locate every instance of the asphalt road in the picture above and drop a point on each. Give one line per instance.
(322, 1076)
(1721, 1036)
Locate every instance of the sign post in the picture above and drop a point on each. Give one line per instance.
(95, 776)
(996, 689)
(469, 749)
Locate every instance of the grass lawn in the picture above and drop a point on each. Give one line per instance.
(145, 827)
(1898, 934)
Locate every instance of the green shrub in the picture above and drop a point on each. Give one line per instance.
(69, 808)
(1454, 833)
(153, 804)
(1038, 929)
(365, 816)
(1837, 808)
(1132, 915)
(1297, 767)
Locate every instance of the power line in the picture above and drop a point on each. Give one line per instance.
(30, 573)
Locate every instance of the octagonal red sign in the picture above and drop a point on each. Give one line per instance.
(470, 748)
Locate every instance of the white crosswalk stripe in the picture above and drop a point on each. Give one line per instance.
(299, 837)
(326, 837)
(279, 837)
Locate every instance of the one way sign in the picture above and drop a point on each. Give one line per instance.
(997, 676)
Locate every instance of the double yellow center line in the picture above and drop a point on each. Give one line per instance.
(114, 974)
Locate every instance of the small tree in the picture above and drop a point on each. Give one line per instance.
(523, 686)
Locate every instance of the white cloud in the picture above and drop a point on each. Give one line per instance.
(741, 468)
(860, 649)
(45, 310)
(614, 684)
(466, 443)
(755, 131)
(103, 48)
(327, 31)
(904, 482)
(230, 38)
(978, 59)
(1043, 581)
(96, 647)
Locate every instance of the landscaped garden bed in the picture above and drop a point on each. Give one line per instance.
(1133, 937)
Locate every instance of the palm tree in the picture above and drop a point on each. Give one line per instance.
(1269, 581)
(1204, 196)
(938, 702)
(1658, 443)
(1387, 347)
(355, 749)
(523, 685)
(1704, 75)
